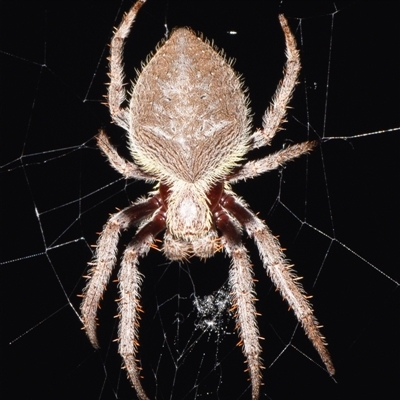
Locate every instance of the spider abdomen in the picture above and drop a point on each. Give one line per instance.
(189, 112)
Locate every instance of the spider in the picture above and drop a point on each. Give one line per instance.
(188, 126)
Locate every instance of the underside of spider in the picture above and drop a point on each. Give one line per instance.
(188, 128)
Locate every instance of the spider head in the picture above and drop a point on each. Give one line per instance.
(188, 211)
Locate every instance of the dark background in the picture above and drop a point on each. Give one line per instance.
(336, 212)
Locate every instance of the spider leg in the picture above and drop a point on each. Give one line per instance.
(281, 274)
(130, 280)
(273, 161)
(243, 297)
(116, 90)
(276, 112)
(105, 258)
(127, 169)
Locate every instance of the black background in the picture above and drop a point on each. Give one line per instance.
(336, 212)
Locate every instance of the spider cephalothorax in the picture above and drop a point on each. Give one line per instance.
(188, 128)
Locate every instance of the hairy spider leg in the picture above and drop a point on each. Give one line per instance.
(281, 273)
(130, 281)
(243, 296)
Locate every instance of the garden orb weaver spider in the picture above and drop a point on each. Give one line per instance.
(188, 126)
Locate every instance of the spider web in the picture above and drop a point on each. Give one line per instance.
(336, 211)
